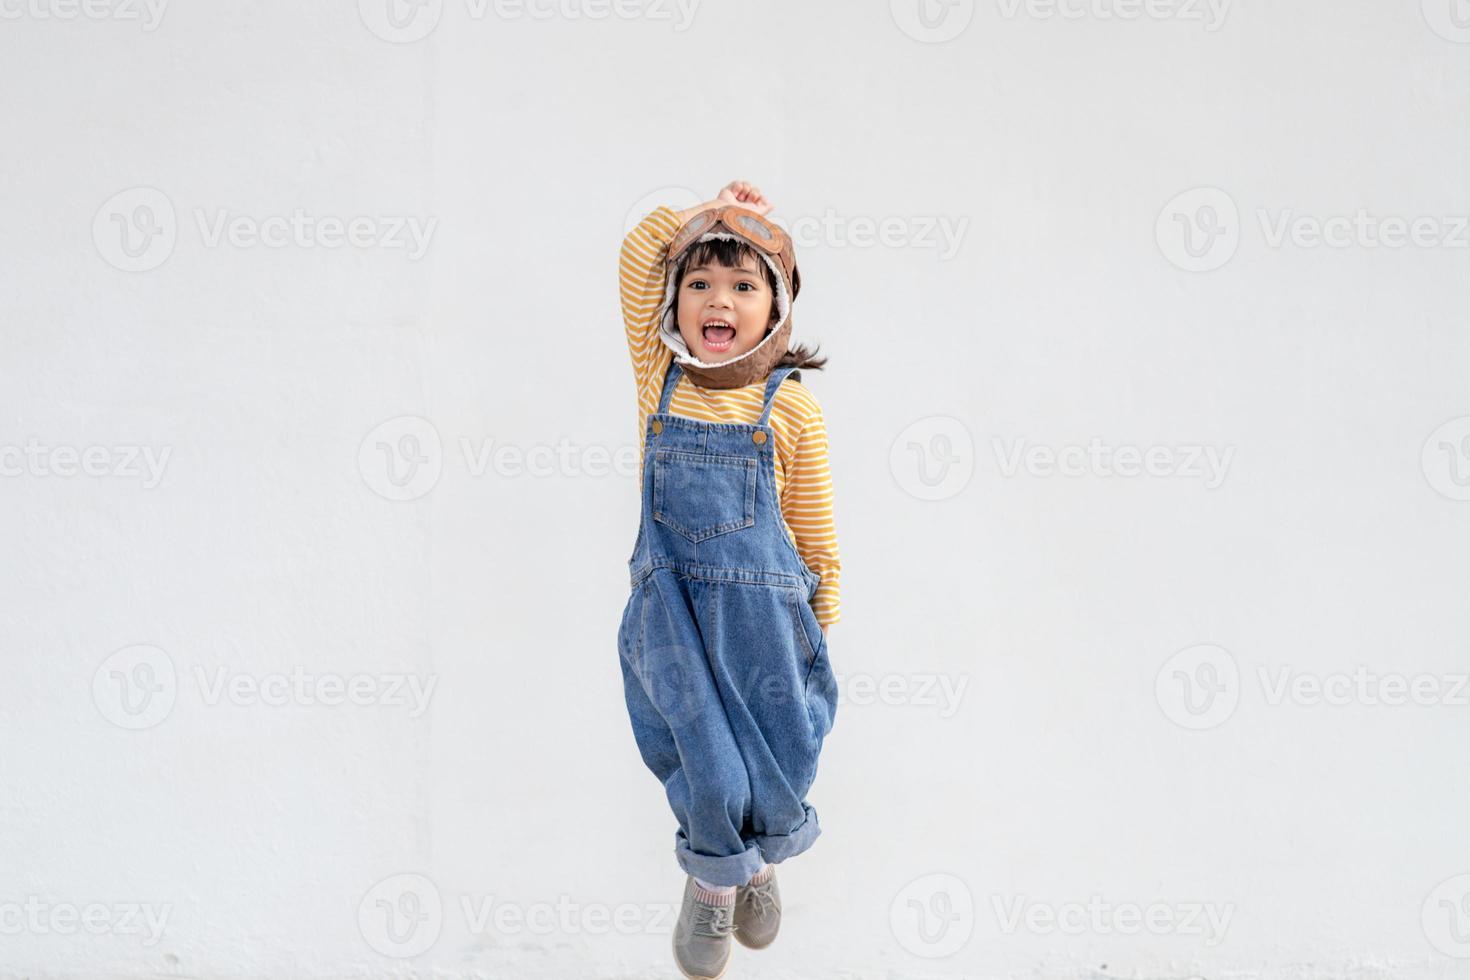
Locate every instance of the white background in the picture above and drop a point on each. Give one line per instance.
(1077, 770)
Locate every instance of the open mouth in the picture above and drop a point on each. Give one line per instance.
(718, 335)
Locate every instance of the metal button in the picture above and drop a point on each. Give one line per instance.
(758, 437)
(657, 427)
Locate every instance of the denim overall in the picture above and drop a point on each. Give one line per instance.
(725, 667)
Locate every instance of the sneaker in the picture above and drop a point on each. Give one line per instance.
(758, 912)
(702, 936)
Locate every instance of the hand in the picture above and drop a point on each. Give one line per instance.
(738, 192)
(824, 632)
(746, 195)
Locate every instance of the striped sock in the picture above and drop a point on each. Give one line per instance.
(714, 894)
(763, 875)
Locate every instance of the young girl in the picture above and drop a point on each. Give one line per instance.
(735, 570)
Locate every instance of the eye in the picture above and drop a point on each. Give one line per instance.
(694, 284)
(747, 286)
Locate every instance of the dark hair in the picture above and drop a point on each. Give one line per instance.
(731, 254)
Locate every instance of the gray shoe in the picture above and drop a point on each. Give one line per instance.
(758, 913)
(702, 937)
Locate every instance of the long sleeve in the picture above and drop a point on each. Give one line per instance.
(642, 277)
(806, 504)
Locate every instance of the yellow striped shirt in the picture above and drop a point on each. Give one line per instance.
(803, 475)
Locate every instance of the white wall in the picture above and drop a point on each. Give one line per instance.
(1071, 773)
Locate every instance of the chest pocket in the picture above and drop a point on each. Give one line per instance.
(701, 495)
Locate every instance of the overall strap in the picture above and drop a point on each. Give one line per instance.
(774, 382)
(671, 378)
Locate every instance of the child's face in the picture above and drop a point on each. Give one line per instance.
(723, 312)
